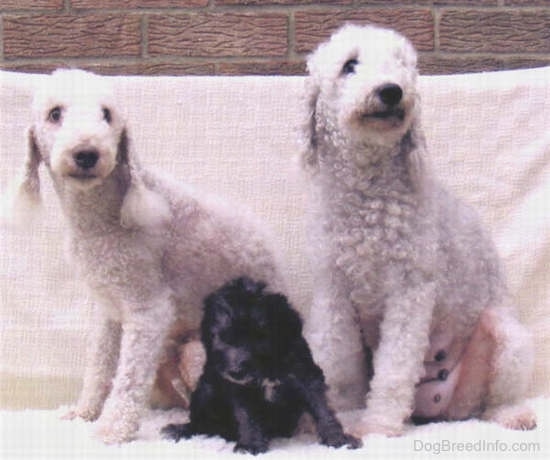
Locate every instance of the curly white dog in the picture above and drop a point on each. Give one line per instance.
(406, 274)
(149, 249)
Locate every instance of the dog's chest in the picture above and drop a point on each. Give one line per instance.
(270, 389)
(117, 261)
(372, 228)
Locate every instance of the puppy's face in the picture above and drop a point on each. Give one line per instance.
(247, 333)
(367, 83)
(77, 127)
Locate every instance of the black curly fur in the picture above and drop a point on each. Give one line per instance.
(259, 376)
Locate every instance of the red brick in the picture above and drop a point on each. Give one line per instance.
(31, 5)
(132, 4)
(395, 2)
(495, 31)
(281, 2)
(71, 36)
(526, 2)
(218, 35)
(262, 68)
(146, 67)
(143, 67)
(314, 27)
(436, 65)
(467, 2)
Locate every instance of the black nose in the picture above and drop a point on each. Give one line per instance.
(390, 94)
(86, 159)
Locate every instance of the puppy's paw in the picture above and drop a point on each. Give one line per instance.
(342, 439)
(254, 448)
(175, 431)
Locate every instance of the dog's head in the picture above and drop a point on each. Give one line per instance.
(362, 87)
(247, 332)
(77, 129)
(79, 132)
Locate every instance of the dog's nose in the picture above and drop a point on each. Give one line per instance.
(86, 159)
(390, 94)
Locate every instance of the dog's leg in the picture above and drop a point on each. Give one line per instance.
(101, 361)
(512, 366)
(143, 336)
(334, 335)
(312, 391)
(398, 361)
(251, 439)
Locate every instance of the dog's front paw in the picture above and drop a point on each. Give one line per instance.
(254, 448)
(342, 439)
(516, 417)
(176, 431)
(117, 430)
(370, 424)
(85, 413)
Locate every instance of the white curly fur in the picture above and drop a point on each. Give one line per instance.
(149, 249)
(404, 271)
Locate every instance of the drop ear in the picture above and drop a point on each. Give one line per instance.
(123, 156)
(29, 189)
(413, 145)
(23, 201)
(142, 207)
(309, 128)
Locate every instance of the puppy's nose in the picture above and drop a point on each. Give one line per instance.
(86, 159)
(390, 94)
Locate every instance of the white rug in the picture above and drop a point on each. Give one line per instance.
(42, 434)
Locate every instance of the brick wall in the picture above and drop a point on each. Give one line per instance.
(204, 37)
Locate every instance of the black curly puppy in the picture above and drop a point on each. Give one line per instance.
(259, 376)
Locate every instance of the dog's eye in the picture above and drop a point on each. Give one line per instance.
(107, 115)
(54, 116)
(349, 66)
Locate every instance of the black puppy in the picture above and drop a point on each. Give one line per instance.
(259, 376)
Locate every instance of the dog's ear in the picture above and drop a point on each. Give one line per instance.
(413, 145)
(414, 142)
(288, 319)
(29, 188)
(23, 202)
(142, 207)
(309, 157)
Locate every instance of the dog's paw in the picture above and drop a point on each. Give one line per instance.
(254, 448)
(116, 431)
(374, 425)
(84, 413)
(176, 431)
(517, 417)
(342, 439)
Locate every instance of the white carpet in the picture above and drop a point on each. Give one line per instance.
(42, 434)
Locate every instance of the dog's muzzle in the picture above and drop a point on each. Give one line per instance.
(85, 161)
(389, 97)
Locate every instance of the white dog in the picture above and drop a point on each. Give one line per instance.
(406, 272)
(149, 250)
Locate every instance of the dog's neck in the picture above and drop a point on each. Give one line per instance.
(95, 208)
(370, 168)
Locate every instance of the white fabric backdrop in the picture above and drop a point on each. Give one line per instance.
(489, 141)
